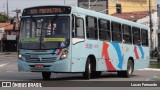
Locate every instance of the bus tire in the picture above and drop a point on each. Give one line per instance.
(46, 75)
(127, 73)
(87, 73)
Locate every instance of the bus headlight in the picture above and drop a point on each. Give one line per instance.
(64, 54)
(20, 56)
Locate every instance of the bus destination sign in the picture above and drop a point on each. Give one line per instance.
(46, 10)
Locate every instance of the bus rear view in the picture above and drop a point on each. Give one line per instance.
(44, 40)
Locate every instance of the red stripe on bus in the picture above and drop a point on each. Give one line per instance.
(136, 53)
(59, 52)
(105, 54)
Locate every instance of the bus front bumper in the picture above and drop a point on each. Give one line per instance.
(57, 66)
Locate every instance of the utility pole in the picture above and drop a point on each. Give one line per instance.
(17, 13)
(64, 2)
(151, 25)
(107, 7)
(7, 11)
(89, 4)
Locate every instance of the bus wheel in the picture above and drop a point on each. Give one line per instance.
(46, 75)
(129, 70)
(87, 73)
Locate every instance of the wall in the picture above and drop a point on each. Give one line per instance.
(158, 31)
(131, 5)
(127, 5)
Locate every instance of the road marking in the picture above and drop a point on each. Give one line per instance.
(9, 71)
(1, 65)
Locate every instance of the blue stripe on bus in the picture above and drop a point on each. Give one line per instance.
(117, 48)
(141, 50)
(54, 51)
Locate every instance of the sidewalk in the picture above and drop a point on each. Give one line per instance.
(8, 53)
(153, 61)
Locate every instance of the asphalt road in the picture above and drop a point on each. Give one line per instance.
(9, 72)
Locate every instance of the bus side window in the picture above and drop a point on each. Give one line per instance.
(116, 32)
(79, 31)
(136, 35)
(144, 34)
(91, 27)
(127, 36)
(104, 30)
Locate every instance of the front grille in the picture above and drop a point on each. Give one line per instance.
(41, 60)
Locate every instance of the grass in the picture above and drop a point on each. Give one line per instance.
(157, 65)
(158, 75)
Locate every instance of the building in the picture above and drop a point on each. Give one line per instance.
(158, 31)
(8, 37)
(117, 6)
(130, 5)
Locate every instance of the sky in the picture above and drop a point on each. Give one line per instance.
(21, 4)
(158, 1)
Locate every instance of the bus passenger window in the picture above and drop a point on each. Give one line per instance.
(104, 30)
(136, 35)
(144, 35)
(91, 27)
(116, 32)
(79, 32)
(127, 36)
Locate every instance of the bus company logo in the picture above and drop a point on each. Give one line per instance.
(6, 84)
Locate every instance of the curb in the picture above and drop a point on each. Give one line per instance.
(153, 69)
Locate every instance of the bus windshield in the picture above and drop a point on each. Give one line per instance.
(44, 32)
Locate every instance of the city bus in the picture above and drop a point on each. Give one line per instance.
(69, 39)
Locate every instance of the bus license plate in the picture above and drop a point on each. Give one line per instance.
(39, 66)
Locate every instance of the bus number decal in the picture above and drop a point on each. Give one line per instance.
(95, 46)
(89, 46)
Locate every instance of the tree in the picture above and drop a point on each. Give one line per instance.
(3, 18)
